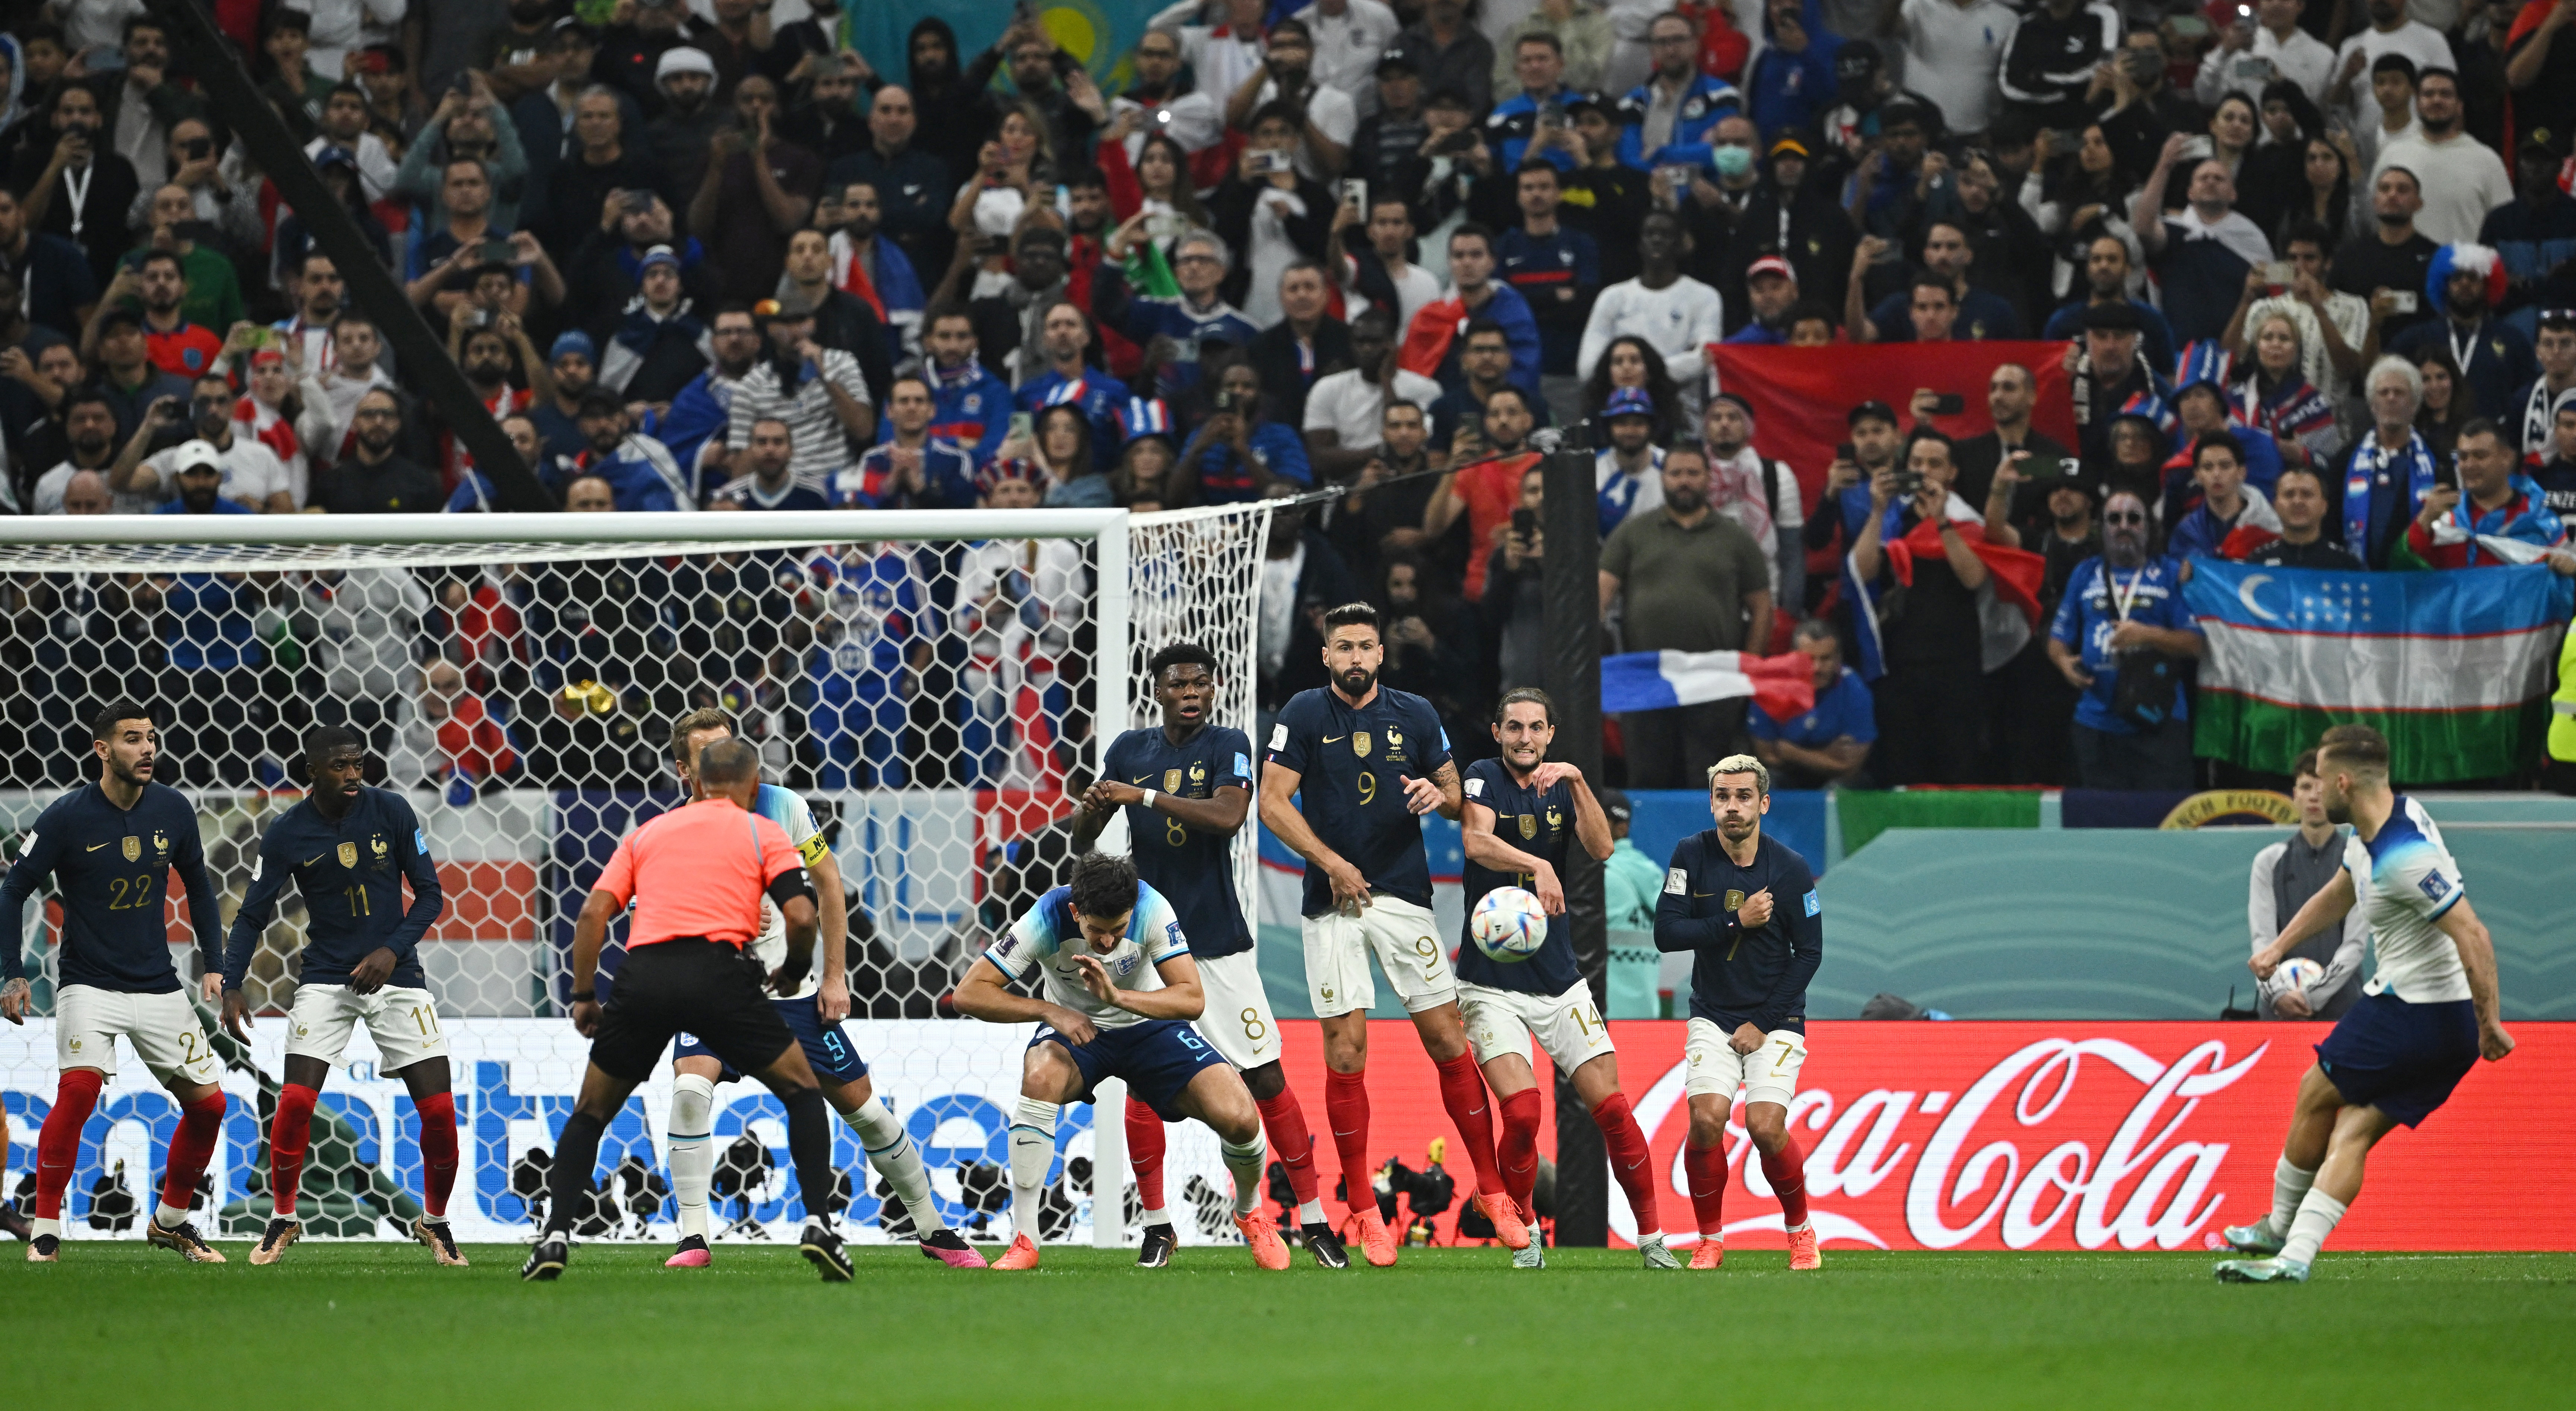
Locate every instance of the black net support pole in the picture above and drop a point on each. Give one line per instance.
(1572, 676)
(204, 52)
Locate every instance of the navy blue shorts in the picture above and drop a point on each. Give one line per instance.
(1157, 1057)
(2401, 1058)
(827, 1049)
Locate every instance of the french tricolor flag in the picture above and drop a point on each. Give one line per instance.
(1784, 686)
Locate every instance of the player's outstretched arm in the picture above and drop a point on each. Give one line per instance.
(1591, 825)
(985, 994)
(205, 912)
(35, 862)
(258, 908)
(1279, 814)
(2322, 910)
(834, 904)
(1476, 835)
(588, 934)
(2477, 957)
(1438, 794)
(427, 901)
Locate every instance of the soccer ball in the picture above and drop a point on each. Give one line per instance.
(2298, 972)
(1509, 925)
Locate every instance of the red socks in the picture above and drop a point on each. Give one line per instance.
(1145, 1152)
(1290, 1143)
(1629, 1159)
(1462, 1091)
(191, 1147)
(437, 1151)
(287, 1137)
(1787, 1173)
(1517, 1153)
(58, 1141)
(1346, 1106)
(1706, 1167)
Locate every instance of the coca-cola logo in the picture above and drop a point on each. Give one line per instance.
(2090, 1136)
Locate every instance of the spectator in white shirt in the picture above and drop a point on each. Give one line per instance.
(1350, 36)
(2463, 178)
(1344, 409)
(2261, 47)
(1676, 314)
(1221, 54)
(1954, 55)
(2390, 32)
(1287, 76)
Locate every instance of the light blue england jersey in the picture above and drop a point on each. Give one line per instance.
(1048, 938)
(2407, 879)
(787, 809)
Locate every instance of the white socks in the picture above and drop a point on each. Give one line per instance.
(1157, 1216)
(892, 1152)
(693, 1155)
(44, 1227)
(1245, 1164)
(168, 1218)
(1032, 1151)
(2289, 1187)
(1311, 1213)
(2316, 1220)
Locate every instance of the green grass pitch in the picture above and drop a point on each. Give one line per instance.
(118, 1325)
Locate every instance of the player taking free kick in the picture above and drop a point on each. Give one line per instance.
(696, 875)
(1186, 786)
(109, 848)
(348, 849)
(813, 1011)
(1522, 812)
(1088, 940)
(1748, 906)
(2424, 1020)
(1352, 765)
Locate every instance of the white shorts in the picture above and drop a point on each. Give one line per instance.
(1237, 1021)
(1568, 1026)
(163, 1029)
(1768, 1074)
(1406, 942)
(404, 1024)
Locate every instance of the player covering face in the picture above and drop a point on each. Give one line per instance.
(1352, 767)
(2427, 1016)
(109, 848)
(1087, 940)
(1747, 906)
(1185, 788)
(1522, 812)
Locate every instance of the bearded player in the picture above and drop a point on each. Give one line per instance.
(1353, 765)
(2427, 1016)
(1186, 787)
(1084, 943)
(1748, 907)
(109, 848)
(349, 849)
(813, 1010)
(1522, 813)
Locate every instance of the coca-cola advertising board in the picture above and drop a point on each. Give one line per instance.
(2050, 1135)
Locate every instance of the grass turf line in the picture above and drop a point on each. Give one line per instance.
(114, 1321)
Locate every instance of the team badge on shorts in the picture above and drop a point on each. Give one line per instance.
(348, 854)
(1529, 825)
(1171, 781)
(133, 849)
(1734, 899)
(1360, 743)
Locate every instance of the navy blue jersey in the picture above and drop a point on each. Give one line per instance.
(1193, 870)
(351, 874)
(111, 867)
(1537, 822)
(1353, 763)
(1757, 976)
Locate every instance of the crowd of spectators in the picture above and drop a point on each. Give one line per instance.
(2310, 272)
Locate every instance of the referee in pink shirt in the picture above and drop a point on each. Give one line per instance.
(696, 875)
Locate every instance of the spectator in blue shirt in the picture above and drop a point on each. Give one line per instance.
(1792, 79)
(2124, 610)
(1237, 454)
(1829, 743)
(1555, 269)
(2226, 501)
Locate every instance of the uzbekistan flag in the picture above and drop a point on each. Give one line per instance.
(1784, 686)
(2454, 668)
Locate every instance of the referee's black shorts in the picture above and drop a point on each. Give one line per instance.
(707, 988)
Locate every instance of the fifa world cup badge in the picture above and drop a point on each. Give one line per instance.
(348, 854)
(1529, 826)
(1734, 899)
(1171, 781)
(133, 849)
(1360, 743)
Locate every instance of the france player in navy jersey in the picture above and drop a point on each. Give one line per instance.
(1081, 941)
(349, 849)
(1186, 787)
(2428, 1015)
(1353, 766)
(1748, 906)
(1523, 813)
(109, 848)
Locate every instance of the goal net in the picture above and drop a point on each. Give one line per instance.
(939, 686)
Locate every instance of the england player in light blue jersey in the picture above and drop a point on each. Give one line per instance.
(1086, 943)
(813, 1014)
(2425, 1019)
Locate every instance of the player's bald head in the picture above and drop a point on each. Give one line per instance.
(728, 764)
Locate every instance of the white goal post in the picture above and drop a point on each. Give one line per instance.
(933, 681)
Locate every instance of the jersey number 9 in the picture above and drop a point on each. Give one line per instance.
(1367, 784)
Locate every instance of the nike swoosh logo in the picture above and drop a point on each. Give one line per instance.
(1703, 894)
(1329, 739)
(94, 847)
(1144, 778)
(317, 857)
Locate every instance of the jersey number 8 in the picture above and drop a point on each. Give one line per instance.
(1175, 832)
